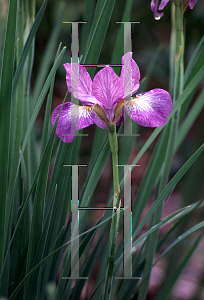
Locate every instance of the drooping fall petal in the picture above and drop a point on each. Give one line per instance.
(150, 109)
(72, 118)
(104, 99)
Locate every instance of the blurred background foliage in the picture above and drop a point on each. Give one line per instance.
(148, 37)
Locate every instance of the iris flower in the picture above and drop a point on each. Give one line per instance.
(105, 98)
(154, 6)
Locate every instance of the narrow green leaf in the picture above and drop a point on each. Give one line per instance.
(168, 189)
(177, 215)
(195, 68)
(95, 174)
(5, 111)
(44, 240)
(65, 284)
(190, 87)
(12, 297)
(88, 16)
(168, 285)
(87, 267)
(97, 34)
(181, 217)
(39, 103)
(48, 55)
(151, 68)
(180, 238)
(47, 121)
(24, 205)
(35, 113)
(28, 46)
(119, 45)
(17, 115)
(150, 177)
(100, 136)
(190, 119)
(37, 217)
(193, 59)
(59, 172)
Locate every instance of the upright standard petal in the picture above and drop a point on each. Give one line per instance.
(72, 118)
(107, 87)
(79, 83)
(150, 109)
(130, 75)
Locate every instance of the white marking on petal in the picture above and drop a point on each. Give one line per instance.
(150, 109)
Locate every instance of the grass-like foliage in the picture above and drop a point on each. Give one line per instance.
(36, 185)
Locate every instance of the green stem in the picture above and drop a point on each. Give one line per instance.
(177, 49)
(115, 213)
(176, 80)
(114, 151)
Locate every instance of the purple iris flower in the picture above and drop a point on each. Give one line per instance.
(105, 98)
(154, 6)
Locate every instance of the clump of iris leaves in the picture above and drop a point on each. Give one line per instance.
(35, 197)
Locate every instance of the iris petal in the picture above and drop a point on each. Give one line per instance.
(150, 109)
(79, 83)
(105, 98)
(192, 3)
(99, 122)
(130, 75)
(107, 87)
(72, 118)
(163, 4)
(154, 5)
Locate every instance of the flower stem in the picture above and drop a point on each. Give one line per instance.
(176, 87)
(177, 50)
(115, 213)
(114, 151)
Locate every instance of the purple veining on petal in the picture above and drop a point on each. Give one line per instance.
(72, 118)
(150, 109)
(99, 122)
(107, 91)
(107, 87)
(79, 83)
(131, 76)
